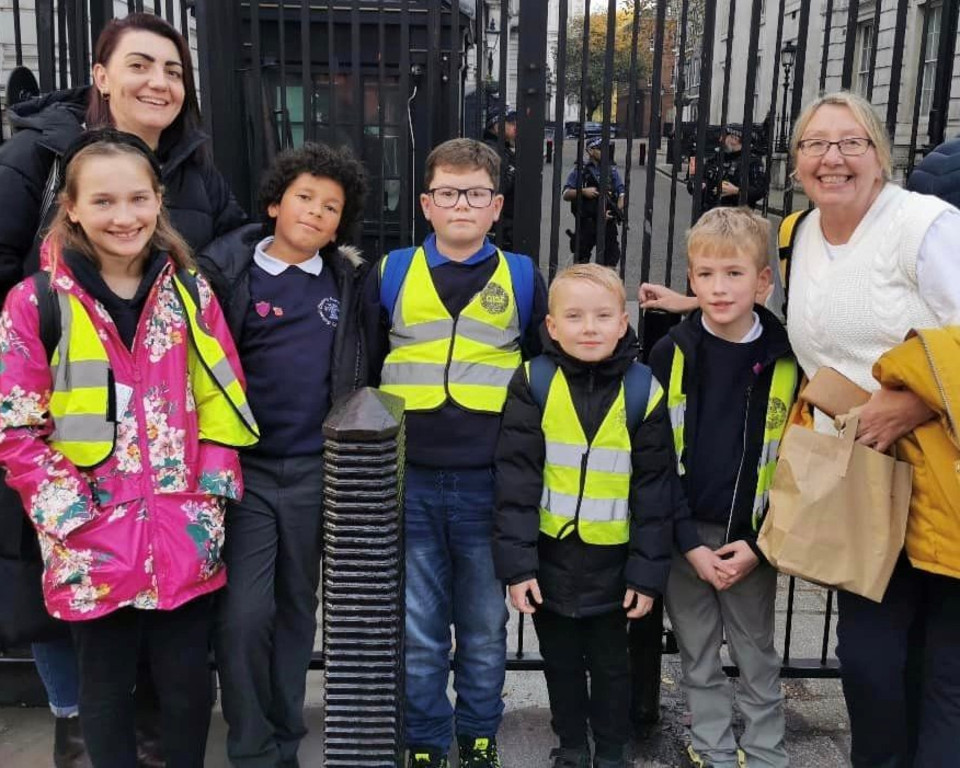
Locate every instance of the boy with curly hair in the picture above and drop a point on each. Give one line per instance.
(288, 289)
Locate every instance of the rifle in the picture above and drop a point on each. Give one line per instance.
(611, 202)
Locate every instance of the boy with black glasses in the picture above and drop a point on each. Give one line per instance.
(447, 323)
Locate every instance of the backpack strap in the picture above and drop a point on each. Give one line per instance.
(785, 240)
(393, 270)
(540, 373)
(521, 275)
(636, 393)
(48, 308)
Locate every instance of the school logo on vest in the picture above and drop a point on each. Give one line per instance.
(776, 413)
(329, 311)
(494, 299)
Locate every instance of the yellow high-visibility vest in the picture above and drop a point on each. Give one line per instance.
(434, 357)
(586, 485)
(783, 388)
(84, 431)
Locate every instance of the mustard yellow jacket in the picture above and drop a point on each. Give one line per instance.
(928, 363)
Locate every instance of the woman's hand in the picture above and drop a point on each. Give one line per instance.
(889, 415)
(654, 296)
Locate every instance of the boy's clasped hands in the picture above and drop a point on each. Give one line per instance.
(725, 566)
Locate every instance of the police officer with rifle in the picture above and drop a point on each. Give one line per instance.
(721, 173)
(583, 194)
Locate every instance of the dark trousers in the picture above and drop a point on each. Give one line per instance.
(900, 661)
(266, 620)
(572, 649)
(175, 645)
(588, 239)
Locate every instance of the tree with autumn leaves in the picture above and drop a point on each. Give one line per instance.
(597, 46)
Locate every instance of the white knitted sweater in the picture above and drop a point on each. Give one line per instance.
(847, 311)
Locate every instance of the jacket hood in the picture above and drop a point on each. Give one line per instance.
(624, 355)
(688, 334)
(233, 253)
(58, 116)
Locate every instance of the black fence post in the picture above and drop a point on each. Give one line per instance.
(531, 106)
(363, 578)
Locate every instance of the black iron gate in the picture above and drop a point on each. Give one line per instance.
(392, 78)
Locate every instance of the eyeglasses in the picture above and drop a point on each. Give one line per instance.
(853, 147)
(448, 197)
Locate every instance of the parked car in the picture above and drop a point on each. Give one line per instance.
(590, 129)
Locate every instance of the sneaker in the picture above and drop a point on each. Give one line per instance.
(424, 757)
(570, 758)
(701, 762)
(479, 753)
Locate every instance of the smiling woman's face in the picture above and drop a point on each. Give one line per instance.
(143, 82)
(836, 182)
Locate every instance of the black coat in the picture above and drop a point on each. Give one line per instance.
(196, 196)
(725, 166)
(578, 579)
(687, 336)
(226, 262)
(939, 173)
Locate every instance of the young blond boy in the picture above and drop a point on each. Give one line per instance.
(584, 507)
(730, 379)
(447, 325)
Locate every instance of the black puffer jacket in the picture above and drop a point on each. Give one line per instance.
(578, 579)
(939, 173)
(226, 263)
(688, 336)
(198, 199)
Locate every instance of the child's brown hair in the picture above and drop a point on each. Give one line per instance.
(726, 229)
(463, 154)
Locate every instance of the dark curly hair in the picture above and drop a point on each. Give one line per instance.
(319, 160)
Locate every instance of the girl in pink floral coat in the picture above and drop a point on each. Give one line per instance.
(122, 445)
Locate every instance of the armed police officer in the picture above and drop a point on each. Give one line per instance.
(508, 169)
(721, 173)
(583, 194)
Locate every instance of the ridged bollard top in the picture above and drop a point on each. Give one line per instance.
(368, 415)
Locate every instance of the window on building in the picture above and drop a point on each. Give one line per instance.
(864, 51)
(934, 17)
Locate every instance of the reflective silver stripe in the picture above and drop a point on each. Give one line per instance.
(594, 510)
(600, 460)
(491, 335)
(224, 375)
(405, 335)
(677, 415)
(83, 428)
(424, 374)
(462, 372)
(74, 374)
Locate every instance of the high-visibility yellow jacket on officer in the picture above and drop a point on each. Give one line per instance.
(84, 394)
(435, 358)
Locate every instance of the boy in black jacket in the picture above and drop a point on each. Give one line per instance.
(730, 379)
(584, 506)
(289, 293)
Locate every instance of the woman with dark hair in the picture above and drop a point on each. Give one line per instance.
(143, 84)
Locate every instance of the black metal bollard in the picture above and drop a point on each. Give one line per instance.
(363, 577)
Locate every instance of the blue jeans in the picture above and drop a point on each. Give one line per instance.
(450, 580)
(56, 662)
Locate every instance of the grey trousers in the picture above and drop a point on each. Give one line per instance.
(701, 616)
(266, 621)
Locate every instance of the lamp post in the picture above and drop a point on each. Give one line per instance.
(786, 61)
(492, 35)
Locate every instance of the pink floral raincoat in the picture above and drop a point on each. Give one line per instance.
(145, 528)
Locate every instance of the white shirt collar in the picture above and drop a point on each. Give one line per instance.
(752, 335)
(274, 266)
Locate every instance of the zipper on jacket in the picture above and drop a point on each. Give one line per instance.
(743, 456)
(575, 522)
(446, 368)
(939, 381)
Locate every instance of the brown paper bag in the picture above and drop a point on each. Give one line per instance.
(838, 511)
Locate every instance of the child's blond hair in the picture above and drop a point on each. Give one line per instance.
(731, 229)
(593, 273)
